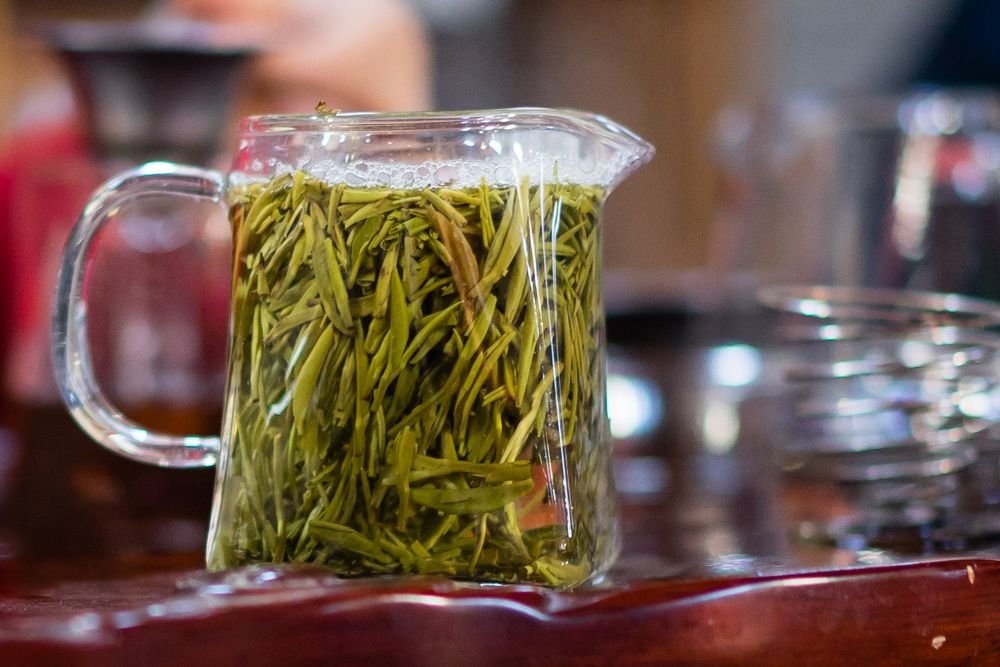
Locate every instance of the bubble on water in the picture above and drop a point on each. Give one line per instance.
(446, 174)
(503, 174)
(437, 173)
(320, 168)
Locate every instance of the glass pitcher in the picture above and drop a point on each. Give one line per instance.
(416, 374)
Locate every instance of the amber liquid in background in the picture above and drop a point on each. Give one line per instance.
(158, 295)
(70, 497)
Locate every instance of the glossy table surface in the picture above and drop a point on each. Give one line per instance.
(718, 567)
(936, 613)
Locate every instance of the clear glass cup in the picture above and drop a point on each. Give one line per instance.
(416, 372)
(884, 208)
(894, 191)
(890, 397)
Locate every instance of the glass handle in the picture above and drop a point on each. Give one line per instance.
(70, 349)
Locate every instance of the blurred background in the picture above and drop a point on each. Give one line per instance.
(664, 68)
(736, 95)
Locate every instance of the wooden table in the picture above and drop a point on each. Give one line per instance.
(943, 612)
(712, 572)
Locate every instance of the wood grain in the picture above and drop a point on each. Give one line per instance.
(932, 613)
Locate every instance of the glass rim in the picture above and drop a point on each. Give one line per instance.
(885, 305)
(500, 119)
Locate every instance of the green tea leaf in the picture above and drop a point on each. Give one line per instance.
(470, 501)
(415, 380)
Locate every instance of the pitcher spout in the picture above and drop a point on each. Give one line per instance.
(621, 150)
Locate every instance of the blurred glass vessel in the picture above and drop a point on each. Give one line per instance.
(890, 397)
(145, 90)
(883, 214)
(897, 192)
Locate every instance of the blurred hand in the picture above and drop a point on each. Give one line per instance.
(370, 55)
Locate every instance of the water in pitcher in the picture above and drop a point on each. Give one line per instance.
(414, 381)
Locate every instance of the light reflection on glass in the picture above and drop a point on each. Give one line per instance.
(518, 150)
(814, 308)
(635, 406)
(734, 365)
(911, 199)
(830, 332)
(934, 115)
(976, 405)
(720, 426)
(916, 353)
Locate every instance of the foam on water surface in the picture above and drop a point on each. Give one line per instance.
(439, 173)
